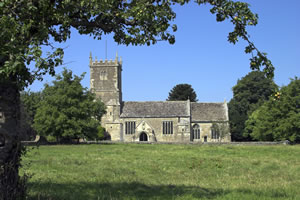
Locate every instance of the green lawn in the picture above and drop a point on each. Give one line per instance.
(163, 171)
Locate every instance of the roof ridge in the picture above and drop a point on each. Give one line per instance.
(154, 109)
(207, 102)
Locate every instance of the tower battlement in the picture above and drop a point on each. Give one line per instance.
(95, 62)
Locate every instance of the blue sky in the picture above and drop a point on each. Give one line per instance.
(201, 55)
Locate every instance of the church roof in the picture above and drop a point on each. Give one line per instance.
(209, 112)
(155, 109)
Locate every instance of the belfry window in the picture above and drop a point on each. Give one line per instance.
(167, 127)
(129, 128)
(103, 75)
(196, 131)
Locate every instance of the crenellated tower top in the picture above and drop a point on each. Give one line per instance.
(105, 62)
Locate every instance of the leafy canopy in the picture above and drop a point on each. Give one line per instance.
(27, 26)
(248, 94)
(68, 110)
(182, 92)
(278, 118)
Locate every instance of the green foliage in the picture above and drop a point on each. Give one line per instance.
(254, 129)
(163, 172)
(27, 26)
(68, 110)
(50, 138)
(100, 133)
(182, 92)
(30, 101)
(248, 94)
(278, 118)
(29, 104)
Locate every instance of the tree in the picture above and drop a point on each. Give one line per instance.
(27, 26)
(29, 104)
(67, 110)
(248, 94)
(278, 118)
(30, 101)
(182, 92)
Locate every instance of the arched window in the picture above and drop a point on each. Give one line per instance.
(196, 131)
(130, 127)
(214, 133)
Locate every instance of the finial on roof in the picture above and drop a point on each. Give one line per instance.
(96, 59)
(120, 59)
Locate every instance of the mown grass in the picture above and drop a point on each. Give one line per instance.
(162, 171)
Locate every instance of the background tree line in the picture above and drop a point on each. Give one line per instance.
(259, 110)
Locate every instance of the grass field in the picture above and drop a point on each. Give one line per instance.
(162, 171)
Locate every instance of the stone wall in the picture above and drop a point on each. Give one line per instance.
(205, 131)
(114, 130)
(153, 127)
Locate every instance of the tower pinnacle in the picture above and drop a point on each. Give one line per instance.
(91, 58)
(116, 60)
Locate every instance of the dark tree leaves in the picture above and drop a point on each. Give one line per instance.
(182, 92)
(248, 94)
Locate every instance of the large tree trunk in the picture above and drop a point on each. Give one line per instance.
(11, 187)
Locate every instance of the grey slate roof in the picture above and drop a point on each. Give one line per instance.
(155, 109)
(209, 112)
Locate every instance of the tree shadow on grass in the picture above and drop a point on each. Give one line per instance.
(136, 190)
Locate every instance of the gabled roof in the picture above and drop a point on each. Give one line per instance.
(155, 109)
(209, 112)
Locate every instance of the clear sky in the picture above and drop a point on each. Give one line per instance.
(201, 55)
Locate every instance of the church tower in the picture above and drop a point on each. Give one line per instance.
(106, 80)
(106, 83)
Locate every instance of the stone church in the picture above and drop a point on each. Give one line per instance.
(154, 121)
